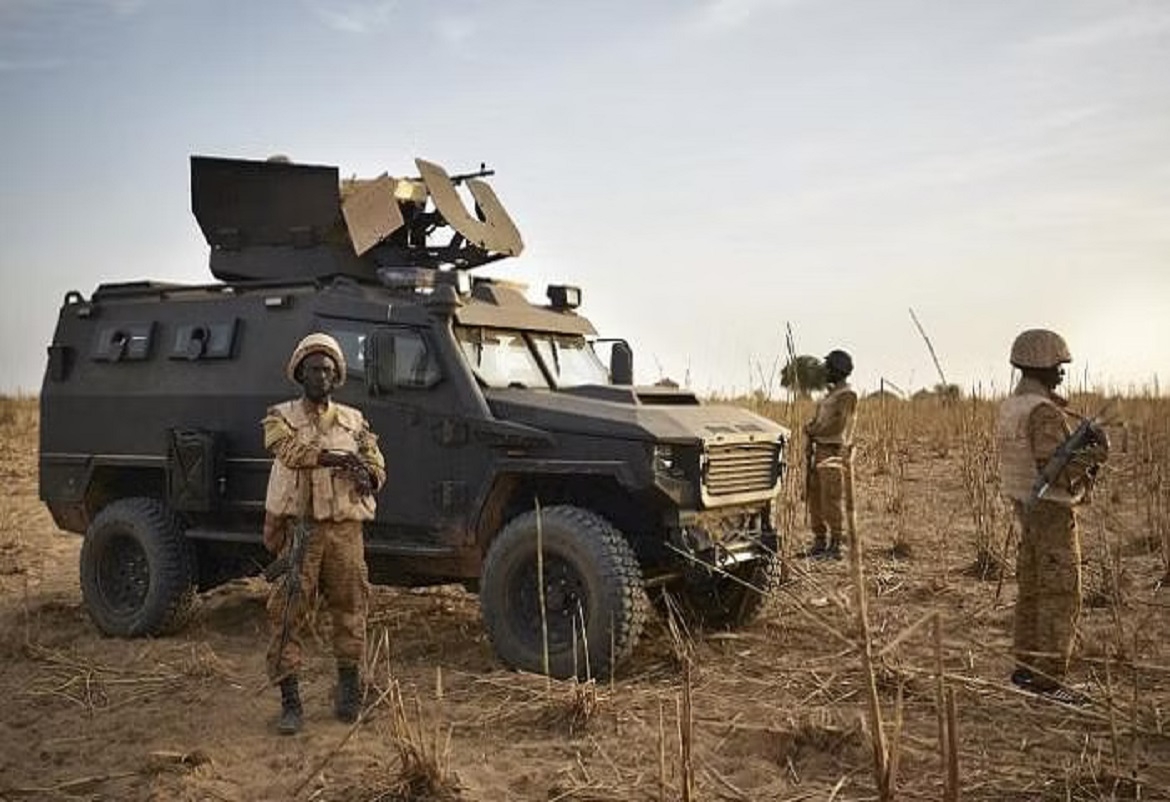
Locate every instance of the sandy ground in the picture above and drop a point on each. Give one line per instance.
(778, 709)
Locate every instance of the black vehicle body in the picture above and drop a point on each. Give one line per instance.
(153, 396)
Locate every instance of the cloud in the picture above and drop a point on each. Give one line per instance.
(455, 30)
(23, 8)
(360, 17)
(722, 16)
(1147, 24)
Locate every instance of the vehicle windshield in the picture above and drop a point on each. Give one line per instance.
(571, 361)
(500, 358)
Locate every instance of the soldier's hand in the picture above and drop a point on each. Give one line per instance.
(364, 482)
(1096, 449)
(1098, 436)
(333, 459)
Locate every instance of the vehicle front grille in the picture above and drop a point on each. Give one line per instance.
(734, 468)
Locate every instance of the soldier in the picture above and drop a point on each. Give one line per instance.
(326, 469)
(1032, 425)
(829, 480)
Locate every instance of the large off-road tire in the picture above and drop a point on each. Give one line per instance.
(137, 569)
(714, 601)
(590, 572)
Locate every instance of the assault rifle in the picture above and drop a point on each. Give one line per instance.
(350, 463)
(1087, 434)
(289, 564)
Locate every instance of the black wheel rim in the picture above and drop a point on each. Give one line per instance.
(123, 575)
(566, 603)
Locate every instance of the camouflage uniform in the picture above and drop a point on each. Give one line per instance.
(831, 433)
(334, 564)
(1031, 427)
(326, 469)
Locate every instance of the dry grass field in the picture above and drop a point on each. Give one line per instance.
(779, 711)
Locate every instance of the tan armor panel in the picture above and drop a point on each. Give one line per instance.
(371, 213)
(495, 233)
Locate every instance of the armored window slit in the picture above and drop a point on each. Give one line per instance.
(124, 342)
(196, 341)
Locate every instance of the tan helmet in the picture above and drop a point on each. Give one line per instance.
(317, 343)
(1039, 348)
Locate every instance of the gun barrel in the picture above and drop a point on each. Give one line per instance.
(483, 172)
(276, 569)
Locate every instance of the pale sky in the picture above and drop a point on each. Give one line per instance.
(706, 171)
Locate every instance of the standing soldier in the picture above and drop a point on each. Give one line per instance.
(326, 469)
(1032, 426)
(829, 481)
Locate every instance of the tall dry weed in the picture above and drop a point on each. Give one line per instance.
(18, 414)
(1147, 471)
(885, 438)
(979, 470)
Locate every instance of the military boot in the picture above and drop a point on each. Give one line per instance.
(349, 694)
(833, 552)
(290, 707)
(819, 547)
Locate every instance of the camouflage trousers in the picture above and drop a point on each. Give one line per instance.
(1048, 572)
(826, 491)
(334, 566)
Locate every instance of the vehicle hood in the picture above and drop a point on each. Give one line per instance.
(631, 414)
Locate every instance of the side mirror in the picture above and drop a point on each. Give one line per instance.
(379, 357)
(621, 363)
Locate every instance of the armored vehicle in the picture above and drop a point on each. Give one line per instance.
(521, 463)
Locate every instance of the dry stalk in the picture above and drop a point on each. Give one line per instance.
(572, 710)
(661, 754)
(896, 737)
(881, 753)
(424, 753)
(952, 747)
(94, 686)
(979, 467)
(1113, 739)
(944, 742)
(686, 736)
(381, 647)
(930, 347)
(896, 506)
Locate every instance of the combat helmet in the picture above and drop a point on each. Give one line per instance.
(317, 343)
(839, 362)
(1039, 348)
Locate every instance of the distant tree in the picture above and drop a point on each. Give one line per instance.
(949, 393)
(803, 375)
(942, 393)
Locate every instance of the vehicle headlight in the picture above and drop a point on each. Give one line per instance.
(668, 461)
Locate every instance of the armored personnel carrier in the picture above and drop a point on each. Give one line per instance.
(521, 464)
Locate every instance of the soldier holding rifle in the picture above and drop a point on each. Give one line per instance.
(326, 469)
(829, 459)
(1046, 469)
